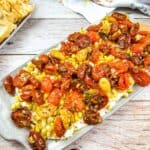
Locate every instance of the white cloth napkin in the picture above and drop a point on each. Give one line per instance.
(90, 10)
(94, 12)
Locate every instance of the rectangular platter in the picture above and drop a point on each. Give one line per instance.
(15, 31)
(10, 132)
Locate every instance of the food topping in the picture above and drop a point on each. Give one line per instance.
(78, 80)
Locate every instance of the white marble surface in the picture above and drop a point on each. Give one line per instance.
(129, 128)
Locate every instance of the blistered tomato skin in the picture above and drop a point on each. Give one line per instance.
(55, 96)
(38, 97)
(92, 117)
(46, 84)
(21, 79)
(74, 102)
(141, 77)
(119, 16)
(36, 141)
(21, 117)
(8, 85)
(83, 41)
(44, 58)
(27, 93)
(59, 127)
(124, 82)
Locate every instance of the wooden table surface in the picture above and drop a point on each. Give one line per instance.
(127, 129)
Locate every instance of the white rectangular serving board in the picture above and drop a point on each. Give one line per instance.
(10, 132)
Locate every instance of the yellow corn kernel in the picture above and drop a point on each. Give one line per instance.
(82, 55)
(57, 54)
(83, 31)
(106, 26)
(30, 67)
(130, 90)
(125, 95)
(46, 96)
(105, 85)
(44, 131)
(37, 128)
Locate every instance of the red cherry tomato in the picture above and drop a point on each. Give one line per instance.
(21, 79)
(141, 77)
(44, 58)
(120, 66)
(74, 101)
(93, 36)
(138, 48)
(46, 84)
(100, 71)
(59, 127)
(95, 55)
(8, 85)
(21, 117)
(124, 81)
(36, 141)
(55, 96)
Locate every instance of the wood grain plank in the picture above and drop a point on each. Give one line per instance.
(10, 62)
(122, 131)
(55, 9)
(39, 34)
(126, 129)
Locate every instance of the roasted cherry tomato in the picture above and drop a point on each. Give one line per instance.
(34, 82)
(46, 84)
(119, 16)
(27, 92)
(94, 37)
(139, 47)
(124, 81)
(95, 55)
(44, 58)
(69, 48)
(92, 117)
(134, 29)
(38, 97)
(96, 102)
(120, 66)
(49, 68)
(36, 141)
(8, 85)
(141, 77)
(59, 127)
(124, 41)
(74, 36)
(90, 82)
(100, 71)
(118, 54)
(21, 79)
(94, 28)
(82, 71)
(21, 117)
(55, 96)
(83, 41)
(114, 28)
(39, 64)
(137, 60)
(66, 82)
(74, 101)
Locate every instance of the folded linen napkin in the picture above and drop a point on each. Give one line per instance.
(94, 12)
(142, 5)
